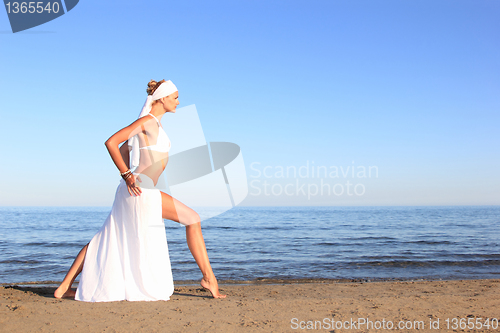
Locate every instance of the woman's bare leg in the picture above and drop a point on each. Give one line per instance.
(64, 290)
(196, 245)
(176, 211)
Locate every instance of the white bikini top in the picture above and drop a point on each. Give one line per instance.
(162, 142)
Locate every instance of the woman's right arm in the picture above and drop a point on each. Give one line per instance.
(125, 153)
(114, 151)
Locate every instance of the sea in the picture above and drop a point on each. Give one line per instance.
(245, 244)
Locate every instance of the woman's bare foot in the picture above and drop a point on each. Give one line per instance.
(212, 286)
(62, 292)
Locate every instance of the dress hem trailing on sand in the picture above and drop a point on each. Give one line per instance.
(128, 258)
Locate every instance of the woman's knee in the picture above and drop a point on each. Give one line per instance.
(191, 218)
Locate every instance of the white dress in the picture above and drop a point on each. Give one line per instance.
(128, 257)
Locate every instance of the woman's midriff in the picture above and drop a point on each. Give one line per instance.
(151, 164)
(155, 170)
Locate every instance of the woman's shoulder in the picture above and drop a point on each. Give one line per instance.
(146, 121)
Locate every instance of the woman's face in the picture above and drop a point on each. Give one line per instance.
(170, 102)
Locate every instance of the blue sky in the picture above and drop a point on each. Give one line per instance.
(411, 87)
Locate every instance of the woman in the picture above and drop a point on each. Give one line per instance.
(128, 258)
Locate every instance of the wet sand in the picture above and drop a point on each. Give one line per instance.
(264, 307)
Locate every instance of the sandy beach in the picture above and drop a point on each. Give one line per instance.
(278, 307)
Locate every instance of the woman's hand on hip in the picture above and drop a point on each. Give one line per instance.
(132, 187)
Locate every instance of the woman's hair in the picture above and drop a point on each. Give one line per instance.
(152, 86)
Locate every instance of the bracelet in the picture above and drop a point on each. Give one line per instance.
(127, 176)
(124, 173)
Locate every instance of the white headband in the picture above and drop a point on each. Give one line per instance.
(165, 89)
